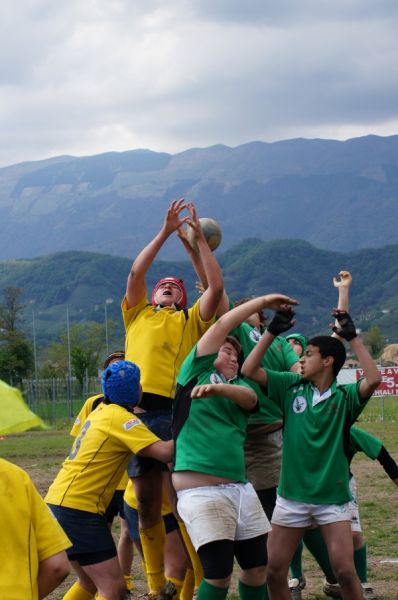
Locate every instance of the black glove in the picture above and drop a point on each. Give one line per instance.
(281, 321)
(346, 329)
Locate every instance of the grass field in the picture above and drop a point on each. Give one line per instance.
(41, 454)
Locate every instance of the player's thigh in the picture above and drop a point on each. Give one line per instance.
(281, 546)
(338, 539)
(148, 488)
(85, 581)
(106, 575)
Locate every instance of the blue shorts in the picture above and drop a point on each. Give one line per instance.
(89, 533)
(159, 422)
(131, 516)
(116, 506)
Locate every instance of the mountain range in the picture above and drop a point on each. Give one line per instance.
(337, 195)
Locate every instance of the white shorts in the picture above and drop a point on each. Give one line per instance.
(353, 506)
(229, 511)
(289, 513)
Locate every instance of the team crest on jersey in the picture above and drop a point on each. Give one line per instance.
(77, 421)
(299, 404)
(131, 423)
(254, 335)
(216, 378)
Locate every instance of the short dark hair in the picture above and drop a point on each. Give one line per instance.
(234, 342)
(261, 314)
(115, 355)
(330, 346)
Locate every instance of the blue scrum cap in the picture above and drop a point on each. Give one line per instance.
(120, 383)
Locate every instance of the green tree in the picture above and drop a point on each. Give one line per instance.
(16, 352)
(374, 341)
(87, 344)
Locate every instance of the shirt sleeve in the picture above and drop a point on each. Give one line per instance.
(355, 402)
(277, 385)
(196, 321)
(133, 434)
(363, 441)
(129, 314)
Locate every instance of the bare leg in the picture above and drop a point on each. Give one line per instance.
(338, 538)
(175, 559)
(282, 543)
(148, 491)
(106, 577)
(125, 552)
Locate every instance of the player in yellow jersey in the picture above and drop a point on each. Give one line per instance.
(125, 546)
(84, 486)
(32, 550)
(159, 334)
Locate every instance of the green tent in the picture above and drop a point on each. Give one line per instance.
(15, 416)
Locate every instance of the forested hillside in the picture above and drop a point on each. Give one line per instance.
(85, 282)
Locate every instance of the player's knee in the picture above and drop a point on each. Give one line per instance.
(254, 577)
(274, 574)
(345, 574)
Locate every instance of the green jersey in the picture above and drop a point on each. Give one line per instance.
(209, 433)
(362, 441)
(316, 432)
(280, 356)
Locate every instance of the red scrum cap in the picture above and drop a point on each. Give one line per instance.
(178, 282)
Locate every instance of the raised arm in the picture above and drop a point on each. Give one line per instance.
(195, 259)
(207, 269)
(343, 286)
(251, 367)
(211, 341)
(346, 330)
(136, 285)
(281, 322)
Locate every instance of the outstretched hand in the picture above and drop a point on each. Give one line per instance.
(281, 322)
(279, 302)
(172, 220)
(344, 281)
(203, 391)
(345, 328)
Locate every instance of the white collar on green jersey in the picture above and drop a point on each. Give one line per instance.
(317, 397)
(217, 377)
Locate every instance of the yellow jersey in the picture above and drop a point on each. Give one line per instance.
(29, 534)
(158, 340)
(99, 456)
(85, 411)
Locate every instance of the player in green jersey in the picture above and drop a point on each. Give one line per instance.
(221, 510)
(314, 483)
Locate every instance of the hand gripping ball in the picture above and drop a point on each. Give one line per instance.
(211, 230)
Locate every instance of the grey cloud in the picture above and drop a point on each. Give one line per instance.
(290, 12)
(86, 77)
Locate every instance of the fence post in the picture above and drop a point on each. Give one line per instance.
(382, 407)
(53, 405)
(69, 380)
(85, 385)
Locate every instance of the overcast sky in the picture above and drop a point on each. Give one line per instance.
(88, 76)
